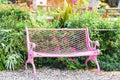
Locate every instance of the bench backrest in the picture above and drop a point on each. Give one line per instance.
(58, 40)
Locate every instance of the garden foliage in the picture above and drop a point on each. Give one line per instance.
(109, 39)
(12, 37)
(4, 1)
(13, 52)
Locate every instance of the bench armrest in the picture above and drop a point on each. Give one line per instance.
(94, 44)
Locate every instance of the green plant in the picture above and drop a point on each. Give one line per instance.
(62, 17)
(12, 37)
(4, 1)
(23, 0)
(109, 39)
(13, 60)
(13, 42)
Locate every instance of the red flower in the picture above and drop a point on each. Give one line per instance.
(70, 59)
(84, 9)
(74, 1)
(90, 8)
(63, 62)
(57, 48)
(73, 10)
(54, 38)
(74, 61)
(73, 49)
(64, 39)
(56, 19)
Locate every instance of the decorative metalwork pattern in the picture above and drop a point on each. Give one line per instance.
(58, 41)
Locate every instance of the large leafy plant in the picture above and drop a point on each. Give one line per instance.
(60, 18)
(12, 37)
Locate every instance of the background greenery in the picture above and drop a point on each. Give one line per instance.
(12, 37)
(13, 52)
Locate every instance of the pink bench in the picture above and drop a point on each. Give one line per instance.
(60, 43)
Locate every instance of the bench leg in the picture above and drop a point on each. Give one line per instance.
(33, 65)
(88, 59)
(26, 64)
(93, 58)
(34, 69)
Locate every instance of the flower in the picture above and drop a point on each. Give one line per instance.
(90, 8)
(74, 60)
(84, 9)
(57, 48)
(64, 39)
(56, 19)
(70, 59)
(54, 38)
(74, 1)
(63, 62)
(73, 10)
(73, 49)
(48, 20)
(14, 1)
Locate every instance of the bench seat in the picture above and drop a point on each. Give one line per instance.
(74, 54)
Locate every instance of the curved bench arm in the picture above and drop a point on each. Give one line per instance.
(94, 44)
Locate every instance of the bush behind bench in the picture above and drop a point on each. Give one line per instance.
(13, 43)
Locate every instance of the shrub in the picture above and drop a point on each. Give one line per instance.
(109, 39)
(12, 37)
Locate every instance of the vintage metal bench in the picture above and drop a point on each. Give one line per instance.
(60, 43)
